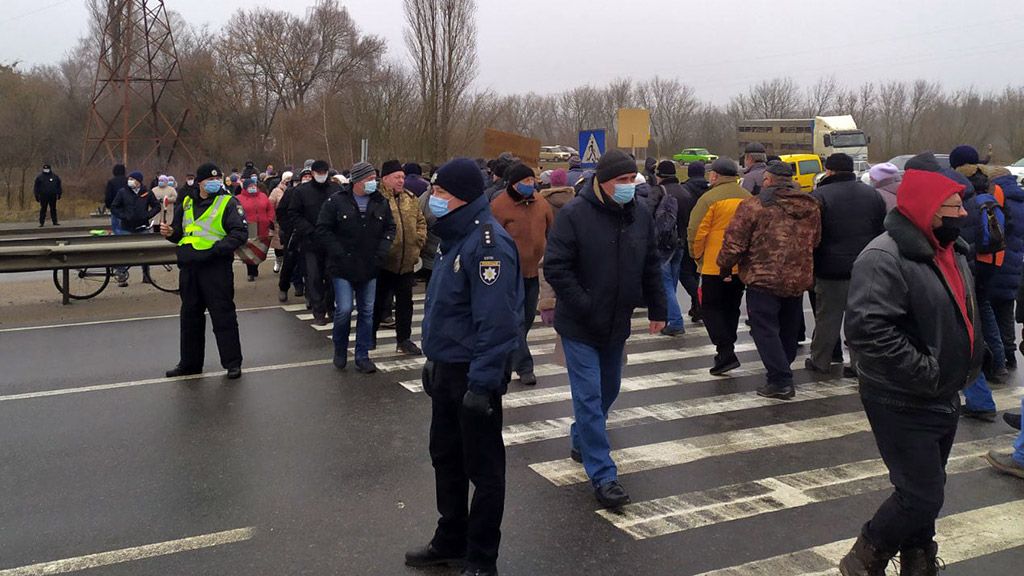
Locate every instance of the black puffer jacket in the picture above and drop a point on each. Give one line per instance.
(602, 262)
(356, 244)
(304, 206)
(852, 214)
(911, 341)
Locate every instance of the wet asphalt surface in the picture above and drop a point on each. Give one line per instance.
(331, 468)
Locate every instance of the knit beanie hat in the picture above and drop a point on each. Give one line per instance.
(883, 171)
(725, 166)
(666, 168)
(320, 166)
(559, 178)
(207, 171)
(360, 171)
(390, 167)
(613, 164)
(461, 178)
(963, 155)
(136, 175)
(650, 162)
(412, 168)
(695, 170)
(517, 173)
(839, 162)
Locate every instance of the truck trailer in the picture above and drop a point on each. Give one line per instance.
(821, 135)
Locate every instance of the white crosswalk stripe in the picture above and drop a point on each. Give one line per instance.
(673, 514)
(961, 537)
(674, 452)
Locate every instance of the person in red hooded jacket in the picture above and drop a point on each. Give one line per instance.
(260, 213)
(912, 320)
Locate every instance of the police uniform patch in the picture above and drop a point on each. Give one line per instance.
(489, 271)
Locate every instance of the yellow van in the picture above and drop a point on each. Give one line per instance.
(805, 168)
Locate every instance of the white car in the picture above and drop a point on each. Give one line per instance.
(1017, 169)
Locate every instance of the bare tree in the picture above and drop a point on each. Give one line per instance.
(673, 107)
(1011, 120)
(441, 38)
(776, 98)
(892, 100)
(823, 97)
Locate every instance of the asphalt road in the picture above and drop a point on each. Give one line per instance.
(297, 468)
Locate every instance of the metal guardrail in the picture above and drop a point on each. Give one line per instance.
(69, 253)
(85, 252)
(62, 230)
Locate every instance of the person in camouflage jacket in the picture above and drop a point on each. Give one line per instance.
(772, 238)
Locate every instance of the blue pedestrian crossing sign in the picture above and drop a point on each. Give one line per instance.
(591, 147)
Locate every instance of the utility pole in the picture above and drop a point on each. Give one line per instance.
(139, 105)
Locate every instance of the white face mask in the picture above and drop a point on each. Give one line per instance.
(320, 178)
(132, 183)
(190, 182)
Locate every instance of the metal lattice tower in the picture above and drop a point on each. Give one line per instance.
(139, 105)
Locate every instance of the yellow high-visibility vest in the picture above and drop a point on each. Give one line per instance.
(203, 233)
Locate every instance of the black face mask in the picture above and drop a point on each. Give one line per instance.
(949, 231)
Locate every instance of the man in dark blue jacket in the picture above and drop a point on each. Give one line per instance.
(471, 327)
(602, 262)
(47, 190)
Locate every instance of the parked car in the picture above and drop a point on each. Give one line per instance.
(1017, 169)
(557, 153)
(689, 155)
(805, 168)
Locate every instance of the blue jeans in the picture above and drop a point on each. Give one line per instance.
(670, 279)
(978, 396)
(363, 293)
(115, 224)
(1018, 445)
(595, 375)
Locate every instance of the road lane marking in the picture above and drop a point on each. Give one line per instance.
(564, 472)
(673, 514)
(961, 537)
(558, 393)
(133, 554)
(516, 434)
(119, 320)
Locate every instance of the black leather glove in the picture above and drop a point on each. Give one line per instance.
(479, 404)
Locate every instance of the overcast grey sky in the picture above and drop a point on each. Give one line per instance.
(547, 46)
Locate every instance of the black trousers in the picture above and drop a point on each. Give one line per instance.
(720, 305)
(293, 271)
(465, 447)
(319, 289)
(44, 202)
(400, 287)
(208, 286)
(775, 324)
(915, 446)
(523, 360)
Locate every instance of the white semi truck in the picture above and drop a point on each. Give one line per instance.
(821, 135)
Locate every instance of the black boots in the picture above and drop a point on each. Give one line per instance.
(920, 561)
(864, 560)
(430, 556)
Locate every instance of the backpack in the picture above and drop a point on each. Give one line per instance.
(992, 236)
(666, 230)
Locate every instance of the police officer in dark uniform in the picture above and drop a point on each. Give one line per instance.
(471, 325)
(208, 227)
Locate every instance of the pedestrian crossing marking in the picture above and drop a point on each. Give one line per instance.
(673, 514)
(961, 537)
(516, 434)
(564, 472)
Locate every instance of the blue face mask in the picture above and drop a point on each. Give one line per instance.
(370, 187)
(526, 190)
(212, 186)
(438, 207)
(624, 193)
